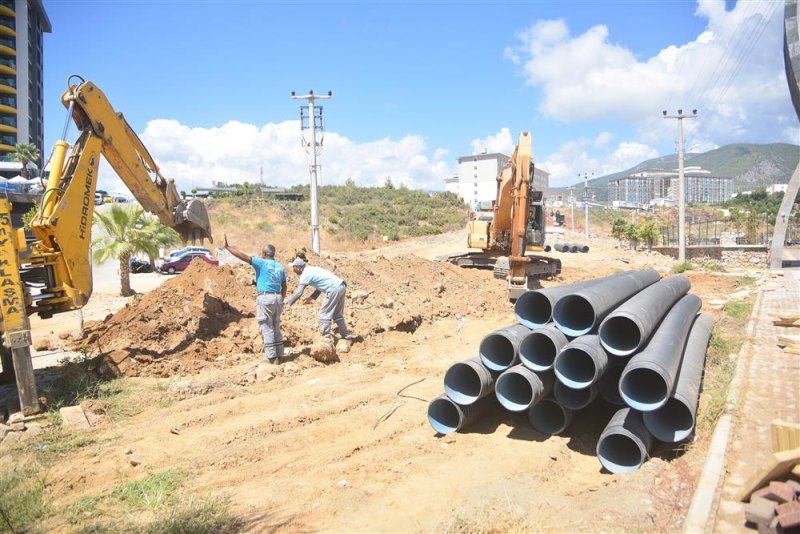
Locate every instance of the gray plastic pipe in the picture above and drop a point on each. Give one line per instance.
(518, 388)
(675, 421)
(561, 247)
(574, 399)
(649, 377)
(549, 417)
(609, 382)
(446, 415)
(583, 248)
(581, 362)
(466, 382)
(624, 444)
(538, 350)
(573, 247)
(534, 309)
(626, 329)
(500, 349)
(578, 312)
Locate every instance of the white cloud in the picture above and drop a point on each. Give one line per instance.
(732, 73)
(500, 142)
(235, 153)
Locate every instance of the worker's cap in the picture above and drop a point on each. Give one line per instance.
(297, 262)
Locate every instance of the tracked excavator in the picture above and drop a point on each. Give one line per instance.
(512, 242)
(52, 272)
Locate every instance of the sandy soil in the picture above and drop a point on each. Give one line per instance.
(347, 446)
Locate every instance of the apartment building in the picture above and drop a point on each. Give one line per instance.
(476, 177)
(22, 27)
(642, 188)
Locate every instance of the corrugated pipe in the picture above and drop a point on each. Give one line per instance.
(624, 444)
(578, 312)
(549, 417)
(675, 421)
(500, 349)
(538, 350)
(649, 377)
(574, 399)
(573, 247)
(466, 382)
(548, 248)
(609, 382)
(583, 248)
(446, 415)
(518, 388)
(581, 362)
(626, 329)
(561, 247)
(534, 309)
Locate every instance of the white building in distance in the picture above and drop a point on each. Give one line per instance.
(476, 178)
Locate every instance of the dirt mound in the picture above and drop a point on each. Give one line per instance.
(205, 316)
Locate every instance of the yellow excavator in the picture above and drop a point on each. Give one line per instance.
(53, 273)
(512, 242)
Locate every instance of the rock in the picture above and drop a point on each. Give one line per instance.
(4, 429)
(73, 417)
(135, 460)
(11, 439)
(31, 431)
(264, 372)
(324, 351)
(64, 336)
(343, 346)
(388, 303)
(42, 344)
(19, 426)
(15, 417)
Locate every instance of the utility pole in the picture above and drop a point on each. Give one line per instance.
(586, 201)
(312, 120)
(571, 207)
(681, 194)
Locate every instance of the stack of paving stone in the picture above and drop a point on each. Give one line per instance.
(630, 339)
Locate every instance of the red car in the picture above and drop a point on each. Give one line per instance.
(179, 264)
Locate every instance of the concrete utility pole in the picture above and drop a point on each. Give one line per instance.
(681, 194)
(571, 207)
(586, 201)
(313, 121)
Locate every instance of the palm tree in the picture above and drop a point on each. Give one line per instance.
(128, 230)
(25, 153)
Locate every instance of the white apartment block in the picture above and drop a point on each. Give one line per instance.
(643, 187)
(476, 178)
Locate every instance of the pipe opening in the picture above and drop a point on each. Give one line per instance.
(643, 389)
(574, 315)
(620, 335)
(548, 417)
(533, 309)
(514, 391)
(575, 368)
(671, 423)
(497, 352)
(537, 351)
(620, 453)
(444, 416)
(574, 399)
(462, 384)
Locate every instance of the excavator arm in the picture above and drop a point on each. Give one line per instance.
(63, 226)
(58, 261)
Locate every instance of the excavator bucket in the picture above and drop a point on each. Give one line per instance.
(195, 226)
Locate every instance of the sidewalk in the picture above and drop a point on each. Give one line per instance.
(768, 389)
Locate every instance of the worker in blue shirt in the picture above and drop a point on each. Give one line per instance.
(323, 281)
(271, 288)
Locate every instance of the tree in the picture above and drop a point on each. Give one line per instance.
(632, 235)
(618, 228)
(648, 233)
(128, 230)
(25, 153)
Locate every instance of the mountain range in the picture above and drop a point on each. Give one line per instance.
(750, 165)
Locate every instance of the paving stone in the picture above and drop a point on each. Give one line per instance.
(73, 417)
(760, 511)
(789, 514)
(780, 492)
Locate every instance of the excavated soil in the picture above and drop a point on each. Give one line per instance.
(206, 314)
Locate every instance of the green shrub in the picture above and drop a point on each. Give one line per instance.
(681, 267)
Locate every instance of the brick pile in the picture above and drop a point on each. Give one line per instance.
(775, 508)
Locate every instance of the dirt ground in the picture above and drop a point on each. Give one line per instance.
(307, 446)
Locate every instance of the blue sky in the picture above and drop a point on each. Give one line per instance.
(417, 85)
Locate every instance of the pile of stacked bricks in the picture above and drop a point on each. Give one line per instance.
(775, 508)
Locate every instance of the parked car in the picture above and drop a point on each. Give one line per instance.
(180, 252)
(120, 198)
(138, 265)
(179, 264)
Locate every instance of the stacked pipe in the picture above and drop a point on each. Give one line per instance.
(631, 340)
(571, 247)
